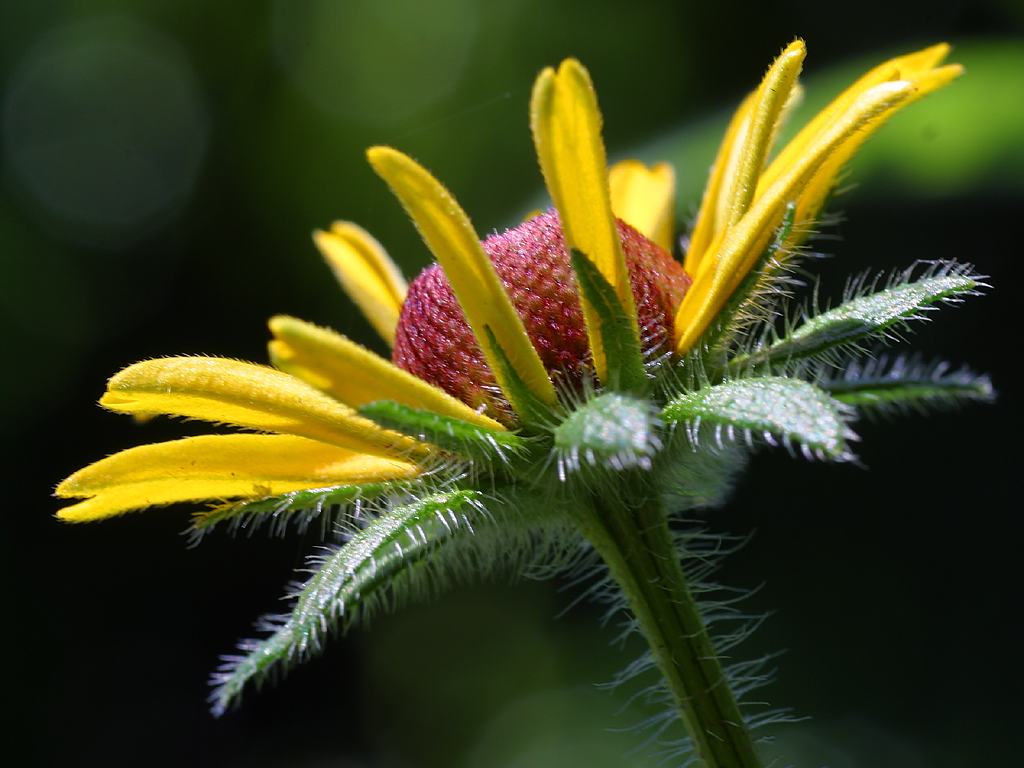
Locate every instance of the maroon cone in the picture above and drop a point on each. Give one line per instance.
(435, 343)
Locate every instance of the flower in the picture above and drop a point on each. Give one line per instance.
(567, 381)
(311, 434)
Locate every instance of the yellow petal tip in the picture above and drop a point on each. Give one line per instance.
(112, 399)
(954, 70)
(366, 273)
(65, 489)
(279, 324)
(797, 48)
(280, 352)
(380, 154)
(571, 65)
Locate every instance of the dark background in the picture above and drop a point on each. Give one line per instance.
(163, 166)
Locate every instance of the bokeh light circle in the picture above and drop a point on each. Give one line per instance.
(105, 129)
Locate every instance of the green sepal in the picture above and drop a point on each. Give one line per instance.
(296, 508)
(864, 317)
(346, 583)
(882, 386)
(774, 408)
(532, 412)
(448, 433)
(611, 430)
(620, 335)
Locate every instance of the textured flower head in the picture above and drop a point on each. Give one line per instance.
(435, 343)
(579, 339)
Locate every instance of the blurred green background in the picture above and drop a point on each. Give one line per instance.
(163, 164)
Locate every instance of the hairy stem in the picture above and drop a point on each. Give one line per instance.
(634, 540)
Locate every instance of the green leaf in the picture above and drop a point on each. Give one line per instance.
(619, 332)
(882, 386)
(455, 435)
(614, 430)
(346, 583)
(866, 316)
(296, 508)
(774, 408)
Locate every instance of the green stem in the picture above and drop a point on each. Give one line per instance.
(635, 542)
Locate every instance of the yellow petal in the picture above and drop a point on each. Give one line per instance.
(907, 67)
(248, 395)
(354, 374)
(366, 272)
(450, 236)
(769, 101)
(743, 155)
(566, 126)
(814, 195)
(745, 242)
(645, 198)
(708, 223)
(217, 467)
(933, 79)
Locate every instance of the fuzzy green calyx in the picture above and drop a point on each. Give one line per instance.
(612, 430)
(459, 437)
(618, 329)
(866, 314)
(296, 509)
(774, 408)
(883, 386)
(346, 583)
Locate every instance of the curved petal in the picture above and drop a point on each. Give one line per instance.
(566, 124)
(248, 395)
(767, 109)
(645, 198)
(707, 224)
(741, 157)
(814, 195)
(804, 172)
(910, 67)
(450, 236)
(366, 273)
(217, 467)
(743, 244)
(355, 375)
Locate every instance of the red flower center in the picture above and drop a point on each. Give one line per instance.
(435, 343)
